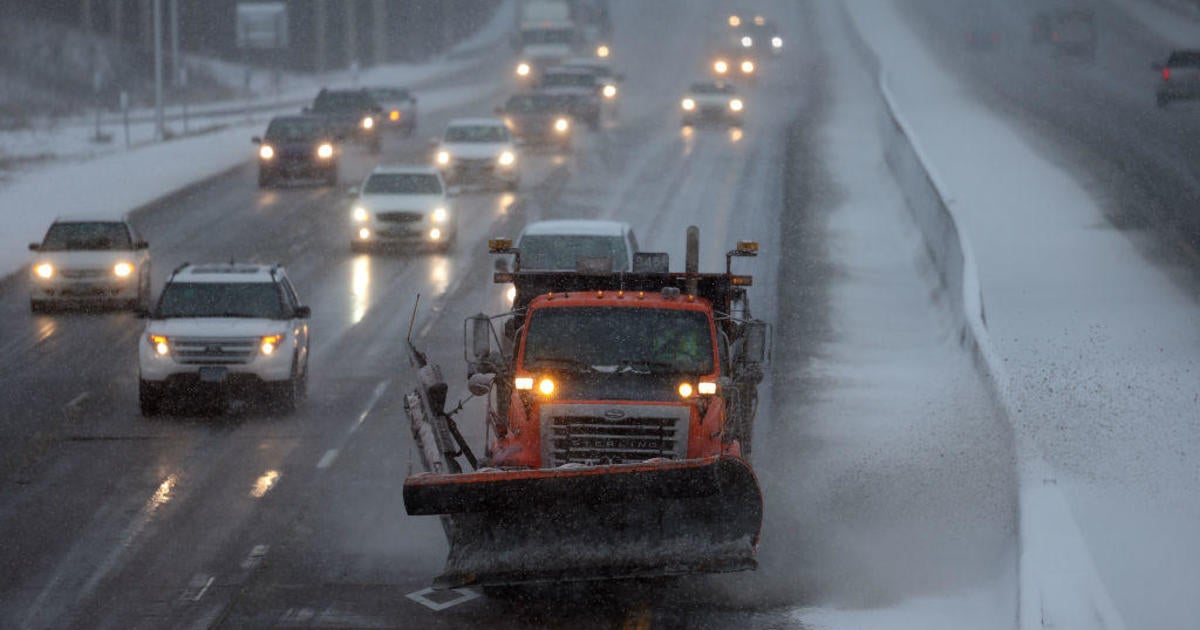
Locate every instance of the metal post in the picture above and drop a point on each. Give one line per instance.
(125, 115)
(159, 120)
(319, 35)
(175, 62)
(351, 36)
(379, 24)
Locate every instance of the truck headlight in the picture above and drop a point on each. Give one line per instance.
(507, 158)
(360, 214)
(266, 152)
(160, 344)
(443, 157)
(721, 66)
(368, 123)
(685, 390)
(688, 104)
(523, 383)
(546, 386)
(269, 344)
(602, 51)
(44, 271)
(523, 69)
(610, 91)
(122, 270)
(747, 41)
(435, 234)
(706, 388)
(364, 234)
(325, 151)
(439, 215)
(777, 42)
(736, 105)
(562, 125)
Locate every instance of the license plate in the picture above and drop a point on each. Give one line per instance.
(213, 374)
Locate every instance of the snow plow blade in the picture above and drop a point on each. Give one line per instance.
(594, 522)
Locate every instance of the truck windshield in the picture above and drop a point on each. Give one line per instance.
(221, 299)
(568, 79)
(547, 36)
(615, 338)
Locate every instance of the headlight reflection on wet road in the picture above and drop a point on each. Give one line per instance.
(360, 288)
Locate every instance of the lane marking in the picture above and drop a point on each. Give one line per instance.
(327, 459)
(371, 402)
(422, 597)
(256, 557)
(204, 590)
(78, 400)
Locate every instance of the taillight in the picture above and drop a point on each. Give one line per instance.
(1166, 74)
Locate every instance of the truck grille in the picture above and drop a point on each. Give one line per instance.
(400, 217)
(214, 351)
(604, 434)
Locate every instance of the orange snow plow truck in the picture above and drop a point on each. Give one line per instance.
(620, 409)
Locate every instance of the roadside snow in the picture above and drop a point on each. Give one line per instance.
(1100, 348)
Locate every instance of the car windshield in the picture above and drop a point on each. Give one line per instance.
(712, 88)
(403, 184)
(89, 235)
(554, 252)
(221, 299)
(536, 103)
(476, 133)
(645, 339)
(548, 36)
(295, 129)
(568, 79)
(342, 101)
(389, 94)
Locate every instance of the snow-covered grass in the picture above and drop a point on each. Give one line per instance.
(110, 180)
(1096, 353)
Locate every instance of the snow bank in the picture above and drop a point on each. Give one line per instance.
(1060, 586)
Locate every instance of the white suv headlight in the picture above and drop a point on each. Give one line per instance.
(122, 270)
(507, 158)
(160, 344)
(439, 215)
(443, 157)
(269, 344)
(44, 271)
(360, 214)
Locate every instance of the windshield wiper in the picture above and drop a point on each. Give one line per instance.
(644, 366)
(581, 366)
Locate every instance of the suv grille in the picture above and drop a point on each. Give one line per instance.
(85, 274)
(400, 217)
(584, 434)
(214, 351)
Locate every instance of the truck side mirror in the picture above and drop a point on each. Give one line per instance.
(480, 336)
(141, 245)
(754, 348)
(501, 265)
(303, 312)
(256, 140)
(33, 247)
(480, 384)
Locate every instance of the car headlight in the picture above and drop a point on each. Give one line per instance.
(747, 41)
(562, 125)
(266, 152)
(609, 91)
(735, 21)
(394, 115)
(360, 214)
(368, 123)
(325, 151)
(747, 67)
(160, 344)
(721, 66)
(507, 158)
(777, 42)
(122, 270)
(435, 234)
(44, 271)
(602, 51)
(443, 157)
(688, 104)
(439, 215)
(736, 105)
(523, 69)
(364, 234)
(269, 344)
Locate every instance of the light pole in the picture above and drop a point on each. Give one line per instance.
(175, 62)
(159, 127)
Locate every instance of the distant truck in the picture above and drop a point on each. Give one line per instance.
(620, 416)
(545, 36)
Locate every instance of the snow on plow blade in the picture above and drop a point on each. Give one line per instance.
(594, 522)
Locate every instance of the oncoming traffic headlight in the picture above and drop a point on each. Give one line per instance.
(368, 123)
(523, 383)
(562, 125)
(777, 42)
(507, 158)
(688, 104)
(609, 91)
(443, 157)
(747, 41)
(602, 51)
(736, 105)
(747, 67)
(122, 270)
(439, 215)
(44, 271)
(394, 115)
(523, 69)
(435, 234)
(721, 66)
(706, 388)
(360, 214)
(546, 387)
(160, 345)
(325, 151)
(735, 20)
(266, 152)
(269, 344)
(685, 390)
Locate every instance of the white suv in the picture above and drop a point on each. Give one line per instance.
(478, 150)
(225, 326)
(403, 205)
(90, 260)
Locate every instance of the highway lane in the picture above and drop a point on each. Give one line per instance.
(247, 519)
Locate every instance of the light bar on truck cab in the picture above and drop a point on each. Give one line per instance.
(747, 248)
(500, 246)
(742, 281)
